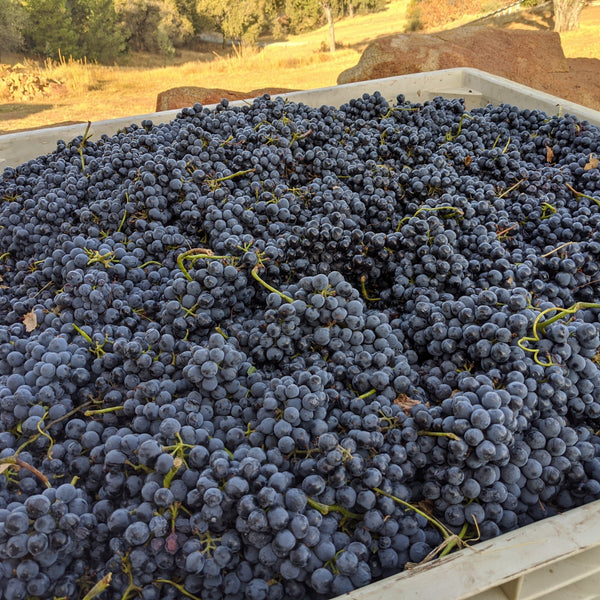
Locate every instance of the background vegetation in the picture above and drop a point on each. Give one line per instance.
(107, 30)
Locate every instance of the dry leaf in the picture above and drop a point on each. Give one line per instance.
(5, 467)
(549, 154)
(30, 321)
(592, 163)
(427, 506)
(405, 403)
(468, 160)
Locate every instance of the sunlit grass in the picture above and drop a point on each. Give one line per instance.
(585, 42)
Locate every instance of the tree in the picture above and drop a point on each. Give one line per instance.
(308, 14)
(243, 20)
(304, 15)
(174, 25)
(101, 35)
(153, 25)
(567, 14)
(13, 19)
(328, 11)
(49, 31)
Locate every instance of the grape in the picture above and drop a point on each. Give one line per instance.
(262, 329)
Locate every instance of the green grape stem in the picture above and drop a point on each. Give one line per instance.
(102, 411)
(446, 434)
(367, 394)
(454, 540)
(363, 288)
(458, 212)
(445, 531)
(196, 254)
(99, 587)
(325, 509)
(269, 287)
(539, 328)
(179, 587)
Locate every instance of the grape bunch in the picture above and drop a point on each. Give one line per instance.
(280, 352)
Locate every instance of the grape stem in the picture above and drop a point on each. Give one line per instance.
(325, 509)
(102, 411)
(539, 328)
(454, 540)
(179, 587)
(9, 461)
(581, 195)
(82, 144)
(196, 254)
(511, 188)
(47, 427)
(270, 287)
(99, 587)
(363, 288)
(452, 436)
(445, 531)
(457, 211)
(557, 249)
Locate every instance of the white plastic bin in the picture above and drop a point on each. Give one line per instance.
(478, 88)
(554, 559)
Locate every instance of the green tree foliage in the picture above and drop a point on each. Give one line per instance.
(13, 19)
(101, 35)
(305, 15)
(154, 25)
(243, 20)
(49, 30)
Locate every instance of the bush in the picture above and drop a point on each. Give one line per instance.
(13, 20)
(413, 16)
(154, 25)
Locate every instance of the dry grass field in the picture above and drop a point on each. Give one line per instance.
(95, 92)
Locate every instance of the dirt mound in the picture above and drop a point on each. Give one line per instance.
(18, 83)
(180, 97)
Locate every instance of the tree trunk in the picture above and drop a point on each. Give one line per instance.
(351, 9)
(329, 16)
(566, 14)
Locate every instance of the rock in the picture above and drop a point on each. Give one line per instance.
(531, 57)
(517, 54)
(180, 97)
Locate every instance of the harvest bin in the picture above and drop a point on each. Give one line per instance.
(554, 559)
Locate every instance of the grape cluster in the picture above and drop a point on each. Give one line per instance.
(275, 351)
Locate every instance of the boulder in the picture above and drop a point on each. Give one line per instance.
(531, 57)
(514, 53)
(180, 97)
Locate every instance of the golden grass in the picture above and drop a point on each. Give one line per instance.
(585, 42)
